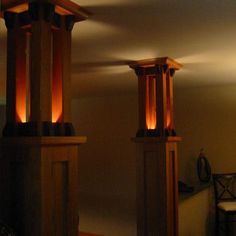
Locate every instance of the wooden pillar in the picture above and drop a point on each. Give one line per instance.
(157, 190)
(49, 24)
(41, 173)
(170, 122)
(42, 185)
(157, 172)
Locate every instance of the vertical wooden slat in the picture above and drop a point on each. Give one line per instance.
(140, 192)
(142, 101)
(41, 70)
(11, 75)
(28, 63)
(66, 74)
(155, 193)
(172, 188)
(171, 100)
(47, 225)
(73, 207)
(161, 100)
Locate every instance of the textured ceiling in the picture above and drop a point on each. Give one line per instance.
(200, 34)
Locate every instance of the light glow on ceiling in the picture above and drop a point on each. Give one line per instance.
(218, 60)
(196, 58)
(90, 29)
(116, 69)
(136, 55)
(85, 3)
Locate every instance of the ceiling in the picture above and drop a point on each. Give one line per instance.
(200, 34)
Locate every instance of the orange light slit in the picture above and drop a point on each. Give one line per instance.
(21, 79)
(57, 79)
(151, 102)
(168, 105)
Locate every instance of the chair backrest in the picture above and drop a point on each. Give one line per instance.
(224, 186)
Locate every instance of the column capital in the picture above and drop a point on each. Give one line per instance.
(10, 19)
(150, 66)
(62, 7)
(155, 86)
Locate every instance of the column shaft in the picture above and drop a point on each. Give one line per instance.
(41, 72)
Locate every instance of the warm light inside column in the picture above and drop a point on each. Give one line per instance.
(21, 77)
(57, 79)
(151, 102)
(168, 103)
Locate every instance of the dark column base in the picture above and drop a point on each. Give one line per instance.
(31, 129)
(155, 133)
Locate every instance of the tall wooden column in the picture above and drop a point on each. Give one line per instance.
(156, 140)
(39, 150)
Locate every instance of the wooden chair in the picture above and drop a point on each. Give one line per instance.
(5, 230)
(225, 201)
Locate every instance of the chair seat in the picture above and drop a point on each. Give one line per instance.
(227, 206)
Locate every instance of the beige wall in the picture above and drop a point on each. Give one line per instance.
(107, 164)
(205, 118)
(107, 160)
(196, 216)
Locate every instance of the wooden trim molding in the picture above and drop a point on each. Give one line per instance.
(39, 141)
(156, 139)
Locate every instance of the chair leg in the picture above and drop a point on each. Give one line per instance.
(217, 223)
(227, 228)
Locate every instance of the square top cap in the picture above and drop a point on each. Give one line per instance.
(62, 7)
(161, 61)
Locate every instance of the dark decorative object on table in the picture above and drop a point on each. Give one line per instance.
(203, 168)
(184, 188)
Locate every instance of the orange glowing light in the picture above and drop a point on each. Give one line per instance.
(151, 102)
(168, 120)
(56, 96)
(21, 79)
(168, 104)
(57, 79)
(20, 96)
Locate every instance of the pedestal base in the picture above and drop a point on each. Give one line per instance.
(41, 183)
(157, 188)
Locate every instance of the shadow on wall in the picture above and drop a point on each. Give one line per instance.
(107, 170)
